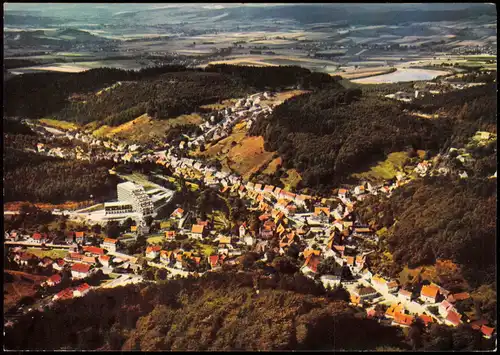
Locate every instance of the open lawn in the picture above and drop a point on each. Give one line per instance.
(166, 224)
(207, 249)
(292, 179)
(58, 124)
(53, 253)
(140, 179)
(384, 170)
(156, 239)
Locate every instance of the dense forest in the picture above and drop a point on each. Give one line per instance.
(347, 130)
(220, 311)
(162, 92)
(36, 178)
(440, 218)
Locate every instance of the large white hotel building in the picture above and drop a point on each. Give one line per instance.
(131, 197)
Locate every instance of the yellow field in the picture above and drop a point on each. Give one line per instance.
(58, 124)
(143, 129)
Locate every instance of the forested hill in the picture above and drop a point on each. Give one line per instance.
(164, 91)
(220, 311)
(329, 134)
(439, 218)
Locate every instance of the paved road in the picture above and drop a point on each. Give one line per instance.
(123, 280)
(39, 245)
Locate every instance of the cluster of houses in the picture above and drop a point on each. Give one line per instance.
(245, 110)
(72, 292)
(430, 295)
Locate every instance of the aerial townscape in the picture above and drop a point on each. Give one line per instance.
(219, 199)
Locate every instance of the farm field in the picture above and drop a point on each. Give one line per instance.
(402, 75)
(77, 67)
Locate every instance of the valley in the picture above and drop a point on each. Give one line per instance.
(257, 177)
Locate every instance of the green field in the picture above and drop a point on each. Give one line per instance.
(166, 224)
(58, 124)
(53, 253)
(156, 239)
(386, 169)
(206, 249)
(292, 179)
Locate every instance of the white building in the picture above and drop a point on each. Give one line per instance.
(137, 196)
(111, 208)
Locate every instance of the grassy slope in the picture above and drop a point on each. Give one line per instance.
(384, 170)
(143, 129)
(65, 125)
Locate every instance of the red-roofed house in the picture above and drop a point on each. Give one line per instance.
(65, 294)
(58, 264)
(79, 237)
(458, 297)
(453, 318)
(81, 290)
(178, 213)
(104, 260)
(170, 235)
(342, 193)
(54, 280)
(426, 319)
(487, 331)
(80, 271)
(264, 217)
(198, 231)
(311, 264)
(93, 250)
(109, 244)
(429, 293)
(152, 251)
(213, 260)
(75, 257)
(403, 320)
(444, 308)
(39, 238)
